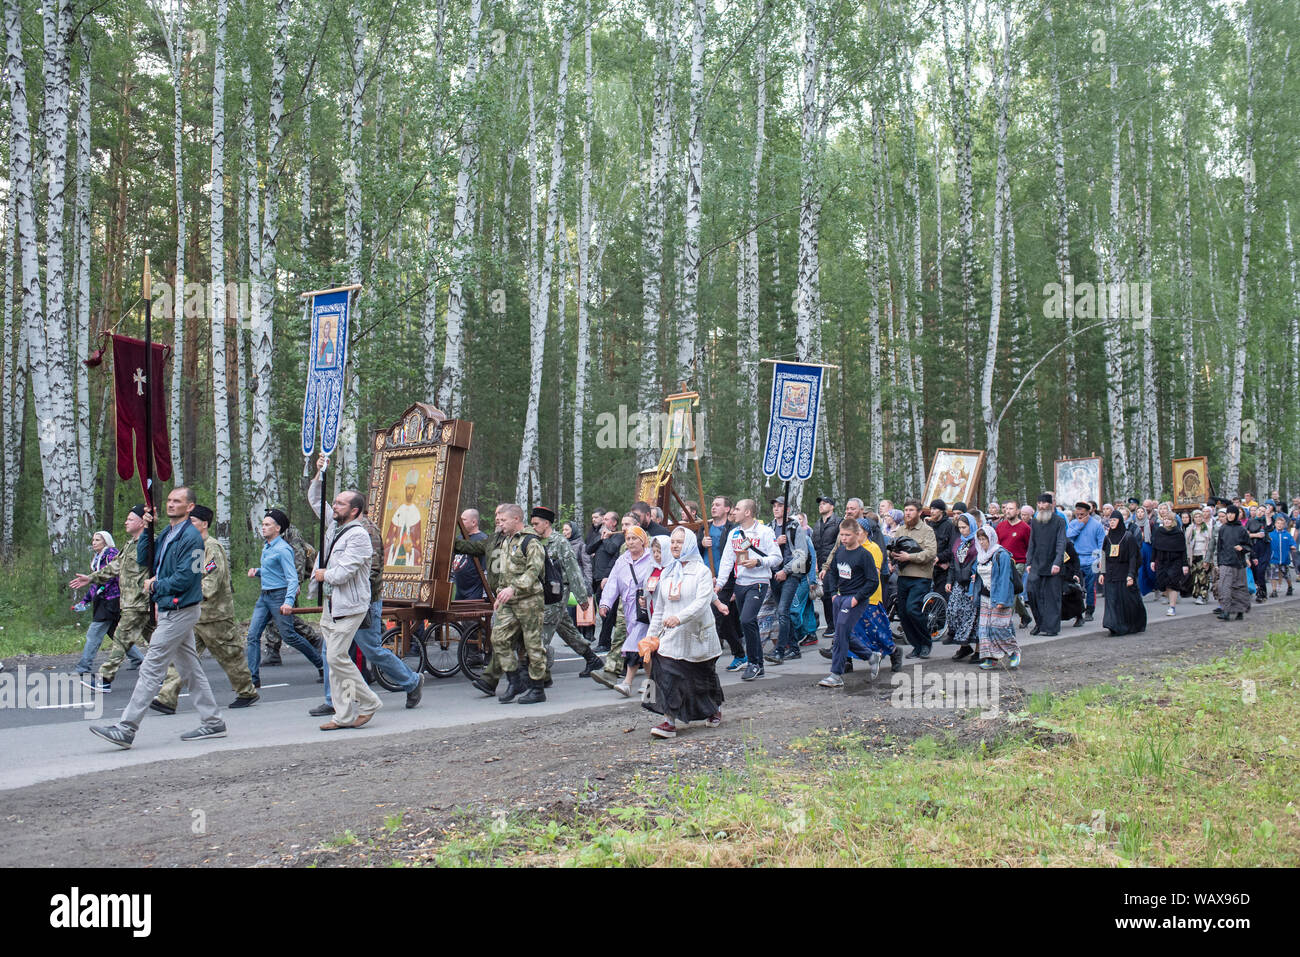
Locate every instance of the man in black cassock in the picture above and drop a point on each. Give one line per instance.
(1044, 559)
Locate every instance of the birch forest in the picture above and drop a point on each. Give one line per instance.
(1045, 229)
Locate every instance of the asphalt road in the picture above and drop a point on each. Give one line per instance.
(40, 743)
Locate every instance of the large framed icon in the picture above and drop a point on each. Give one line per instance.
(954, 476)
(1191, 482)
(1077, 480)
(415, 482)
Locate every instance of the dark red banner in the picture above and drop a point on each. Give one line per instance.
(129, 391)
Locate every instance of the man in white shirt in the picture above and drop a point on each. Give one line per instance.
(752, 551)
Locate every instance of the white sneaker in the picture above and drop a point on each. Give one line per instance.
(1169, 613)
(832, 681)
(624, 689)
(875, 663)
(1199, 601)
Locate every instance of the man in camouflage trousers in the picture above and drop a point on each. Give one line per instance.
(216, 629)
(556, 616)
(514, 569)
(304, 557)
(136, 624)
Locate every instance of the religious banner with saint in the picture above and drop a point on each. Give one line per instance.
(327, 314)
(129, 380)
(792, 428)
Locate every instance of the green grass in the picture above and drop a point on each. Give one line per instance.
(1182, 770)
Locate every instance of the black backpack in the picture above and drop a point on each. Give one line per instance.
(552, 575)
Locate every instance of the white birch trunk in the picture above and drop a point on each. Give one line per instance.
(806, 290)
(253, 320)
(1232, 426)
(432, 265)
(264, 483)
(81, 239)
(1150, 419)
(1293, 324)
(527, 478)
(749, 255)
(14, 364)
(1001, 191)
(1185, 277)
(347, 473)
(1114, 358)
(586, 288)
(174, 36)
(453, 352)
(688, 327)
(217, 293)
(1062, 200)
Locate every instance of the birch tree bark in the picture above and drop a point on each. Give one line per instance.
(264, 483)
(1185, 283)
(453, 352)
(1001, 191)
(1115, 274)
(748, 256)
(429, 314)
(1293, 324)
(47, 341)
(656, 199)
(217, 290)
(252, 321)
(347, 473)
(1232, 425)
(688, 328)
(13, 373)
(174, 37)
(1062, 207)
(527, 478)
(586, 288)
(806, 289)
(81, 284)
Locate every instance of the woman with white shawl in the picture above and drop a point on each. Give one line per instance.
(683, 665)
(991, 589)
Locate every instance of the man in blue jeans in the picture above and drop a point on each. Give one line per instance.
(279, 575)
(368, 639)
(1086, 534)
(792, 539)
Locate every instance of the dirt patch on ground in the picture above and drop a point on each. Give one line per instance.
(284, 806)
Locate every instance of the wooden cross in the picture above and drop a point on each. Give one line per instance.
(139, 380)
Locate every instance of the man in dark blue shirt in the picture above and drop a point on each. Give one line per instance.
(175, 587)
(465, 574)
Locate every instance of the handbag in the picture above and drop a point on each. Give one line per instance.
(642, 609)
(1250, 580)
(587, 615)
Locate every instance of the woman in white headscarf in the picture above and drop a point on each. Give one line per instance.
(102, 601)
(683, 665)
(992, 590)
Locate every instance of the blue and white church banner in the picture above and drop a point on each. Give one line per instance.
(327, 359)
(792, 429)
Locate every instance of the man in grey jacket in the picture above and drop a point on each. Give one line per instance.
(344, 572)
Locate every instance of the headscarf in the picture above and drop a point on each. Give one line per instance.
(676, 567)
(896, 514)
(636, 531)
(665, 554)
(108, 539)
(1116, 535)
(985, 554)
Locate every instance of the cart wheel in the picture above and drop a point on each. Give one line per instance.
(474, 651)
(414, 658)
(935, 610)
(442, 645)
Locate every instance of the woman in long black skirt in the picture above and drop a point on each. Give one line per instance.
(1118, 574)
(1171, 562)
(683, 668)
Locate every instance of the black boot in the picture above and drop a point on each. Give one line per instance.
(535, 694)
(594, 663)
(514, 688)
(272, 658)
(486, 685)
